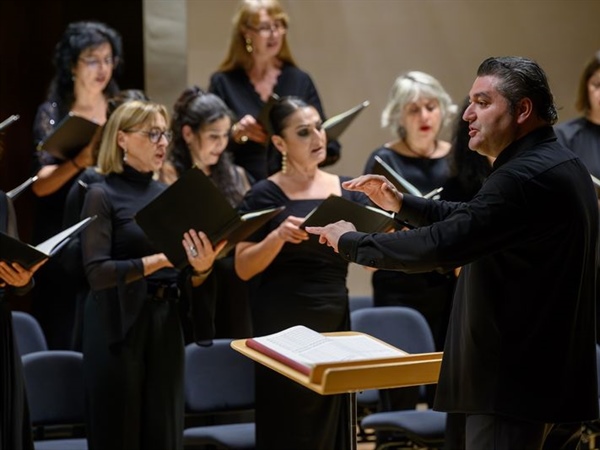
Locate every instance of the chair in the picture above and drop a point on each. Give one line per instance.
(359, 302)
(219, 385)
(55, 393)
(407, 329)
(28, 333)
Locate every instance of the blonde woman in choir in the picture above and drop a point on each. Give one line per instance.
(259, 63)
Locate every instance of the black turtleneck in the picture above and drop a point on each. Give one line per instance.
(114, 244)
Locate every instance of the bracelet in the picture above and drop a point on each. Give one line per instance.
(77, 166)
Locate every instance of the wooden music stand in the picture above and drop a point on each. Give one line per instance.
(350, 377)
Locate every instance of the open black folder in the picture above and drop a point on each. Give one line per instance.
(13, 250)
(367, 219)
(336, 125)
(402, 184)
(194, 202)
(71, 135)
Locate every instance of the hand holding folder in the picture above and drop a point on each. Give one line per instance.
(195, 202)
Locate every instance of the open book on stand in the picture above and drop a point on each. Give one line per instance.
(71, 135)
(195, 202)
(336, 125)
(367, 219)
(402, 184)
(13, 250)
(302, 349)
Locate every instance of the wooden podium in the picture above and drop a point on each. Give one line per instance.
(350, 377)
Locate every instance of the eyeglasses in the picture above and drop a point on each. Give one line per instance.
(154, 135)
(94, 63)
(266, 29)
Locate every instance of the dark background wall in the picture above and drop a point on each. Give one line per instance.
(28, 33)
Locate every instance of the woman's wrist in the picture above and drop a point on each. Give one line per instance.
(75, 164)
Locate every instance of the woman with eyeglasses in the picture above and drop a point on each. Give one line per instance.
(85, 59)
(132, 336)
(258, 64)
(201, 126)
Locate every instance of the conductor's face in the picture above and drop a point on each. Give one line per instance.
(492, 126)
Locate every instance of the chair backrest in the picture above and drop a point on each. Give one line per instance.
(217, 378)
(28, 333)
(54, 383)
(400, 326)
(359, 302)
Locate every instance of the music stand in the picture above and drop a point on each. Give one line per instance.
(350, 377)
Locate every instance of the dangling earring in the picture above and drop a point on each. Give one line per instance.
(283, 162)
(124, 155)
(249, 47)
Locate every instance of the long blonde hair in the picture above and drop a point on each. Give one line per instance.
(247, 15)
(128, 116)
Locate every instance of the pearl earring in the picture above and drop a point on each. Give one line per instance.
(249, 47)
(283, 162)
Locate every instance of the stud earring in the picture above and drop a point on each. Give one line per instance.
(249, 47)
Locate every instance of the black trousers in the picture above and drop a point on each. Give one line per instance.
(495, 432)
(134, 389)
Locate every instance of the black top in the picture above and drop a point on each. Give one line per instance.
(583, 138)
(521, 340)
(236, 90)
(113, 246)
(311, 277)
(49, 209)
(426, 174)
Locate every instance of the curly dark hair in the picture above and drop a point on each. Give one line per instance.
(78, 37)
(196, 108)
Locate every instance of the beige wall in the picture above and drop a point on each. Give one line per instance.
(354, 49)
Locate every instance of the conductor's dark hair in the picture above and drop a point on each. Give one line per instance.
(197, 109)
(78, 37)
(521, 78)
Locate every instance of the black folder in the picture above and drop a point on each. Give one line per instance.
(367, 219)
(69, 137)
(195, 202)
(13, 250)
(336, 125)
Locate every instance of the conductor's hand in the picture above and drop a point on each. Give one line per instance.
(16, 275)
(379, 189)
(248, 128)
(200, 252)
(330, 234)
(289, 230)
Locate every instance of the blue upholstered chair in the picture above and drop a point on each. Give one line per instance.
(407, 329)
(28, 333)
(219, 386)
(54, 383)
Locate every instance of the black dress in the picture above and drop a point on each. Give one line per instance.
(15, 428)
(132, 339)
(304, 285)
(236, 90)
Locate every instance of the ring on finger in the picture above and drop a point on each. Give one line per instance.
(193, 251)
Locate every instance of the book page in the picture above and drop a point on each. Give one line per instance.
(309, 347)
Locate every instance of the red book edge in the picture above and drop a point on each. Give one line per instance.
(261, 348)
